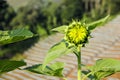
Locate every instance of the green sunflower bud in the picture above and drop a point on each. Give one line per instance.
(77, 33)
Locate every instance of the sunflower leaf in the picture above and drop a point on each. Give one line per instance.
(16, 35)
(105, 67)
(7, 65)
(97, 23)
(60, 29)
(56, 51)
(55, 69)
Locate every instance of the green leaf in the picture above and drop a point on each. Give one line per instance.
(7, 37)
(60, 29)
(102, 74)
(56, 51)
(105, 67)
(95, 24)
(58, 68)
(55, 69)
(7, 65)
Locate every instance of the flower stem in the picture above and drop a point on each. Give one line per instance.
(79, 74)
(79, 63)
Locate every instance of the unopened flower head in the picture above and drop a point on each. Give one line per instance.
(77, 33)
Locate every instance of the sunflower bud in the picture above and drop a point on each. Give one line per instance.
(77, 33)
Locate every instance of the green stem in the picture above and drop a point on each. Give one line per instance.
(79, 74)
(79, 63)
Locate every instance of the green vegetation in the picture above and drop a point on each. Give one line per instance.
(11, 36)
(40, 16)
(76, 35)
(8, 65)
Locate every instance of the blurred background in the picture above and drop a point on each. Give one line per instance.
(40, 16)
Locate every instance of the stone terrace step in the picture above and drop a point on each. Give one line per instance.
(105, 44)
